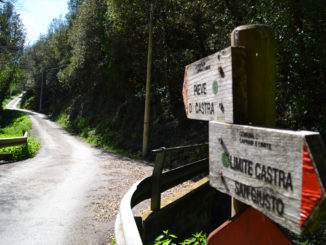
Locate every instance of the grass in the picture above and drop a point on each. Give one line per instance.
(27, 104)
(63, 120)
(91, 136)
(14, 124)
(6, 101)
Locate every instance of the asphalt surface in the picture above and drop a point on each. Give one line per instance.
(69, 193)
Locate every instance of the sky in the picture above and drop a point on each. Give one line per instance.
(37, 15)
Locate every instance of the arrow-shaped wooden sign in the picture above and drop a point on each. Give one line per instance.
(279, 172)
(213, 90)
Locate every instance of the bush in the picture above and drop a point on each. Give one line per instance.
(23, 151)
(167, 239)
(14, 124)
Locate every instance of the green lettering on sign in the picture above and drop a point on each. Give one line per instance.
(215, 87)
(225, 159)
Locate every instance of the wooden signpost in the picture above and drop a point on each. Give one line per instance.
(212, 90)
(274, 171)
(281, 173)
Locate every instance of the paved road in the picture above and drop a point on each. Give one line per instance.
(68, 194)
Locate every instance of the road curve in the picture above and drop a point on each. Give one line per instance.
(68, 194)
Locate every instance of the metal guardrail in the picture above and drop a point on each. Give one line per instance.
(5, 142)
(126, 227)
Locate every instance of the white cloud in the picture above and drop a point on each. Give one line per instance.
(32, 29)
(38, 14)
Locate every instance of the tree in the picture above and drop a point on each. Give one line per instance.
(104, 43)
(12, 39)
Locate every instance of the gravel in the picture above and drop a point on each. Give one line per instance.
(123, 174)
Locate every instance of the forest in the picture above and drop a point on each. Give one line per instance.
(12, 38)
(90, 68)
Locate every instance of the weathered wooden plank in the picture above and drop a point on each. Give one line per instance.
(215, 87)
(275, 171)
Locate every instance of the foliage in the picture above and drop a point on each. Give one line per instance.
(93, 64)
(27, 102)
(14, 124)
(7, 100)
(25, 151)
(196, 239)
(12, 39)
(113, 242)
(317, 237)
(167, 239)
(92, 136)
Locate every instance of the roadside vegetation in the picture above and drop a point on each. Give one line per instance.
(199, 238)
(7, 100)
(93, 65)
(167, 238)
(91, 136)
(14, 124)
(12, 38)
(318, 237)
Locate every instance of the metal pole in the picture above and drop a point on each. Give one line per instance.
(41, 93)
(148, 82)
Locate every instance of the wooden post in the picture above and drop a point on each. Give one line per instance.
(148, 82)
(156, 181)
(259, 43)
(260, 49)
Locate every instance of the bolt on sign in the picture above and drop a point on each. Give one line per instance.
(275, 171)
(212, 90)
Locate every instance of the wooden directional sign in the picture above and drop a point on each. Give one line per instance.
(215, 87)
(279, 172)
